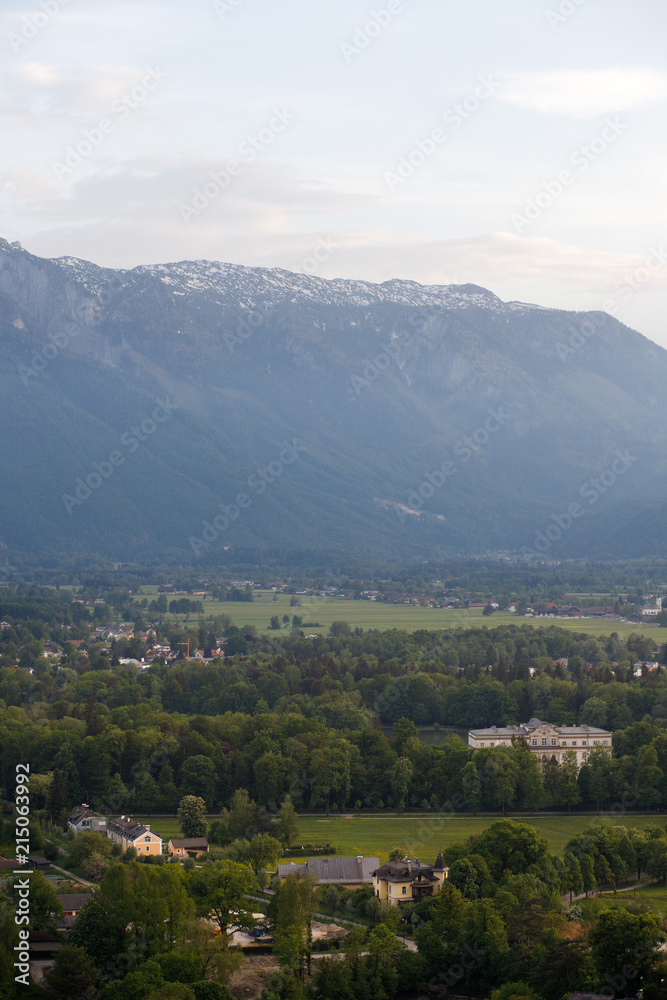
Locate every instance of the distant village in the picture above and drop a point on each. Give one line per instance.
(150, 645)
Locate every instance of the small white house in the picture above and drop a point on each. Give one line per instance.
(84, 819)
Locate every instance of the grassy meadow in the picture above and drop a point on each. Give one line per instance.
(423, 836)
(654, 895)
(374, 615)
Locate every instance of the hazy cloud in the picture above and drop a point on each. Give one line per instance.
(584, 93)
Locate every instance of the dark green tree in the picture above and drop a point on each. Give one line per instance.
(199, 778)
(220, 889)
(288, 822)
(72, 975)
(624, 946)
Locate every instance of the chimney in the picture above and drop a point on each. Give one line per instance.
(147, 825)
(360, 858)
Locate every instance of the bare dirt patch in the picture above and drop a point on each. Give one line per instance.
(252, 977)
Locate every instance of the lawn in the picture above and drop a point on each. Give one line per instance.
(654, 895)
(423, 836)
(426, 835)
(164, 827)
(373, 615)
(650, 892)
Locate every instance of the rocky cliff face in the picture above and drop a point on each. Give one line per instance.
(427, 418)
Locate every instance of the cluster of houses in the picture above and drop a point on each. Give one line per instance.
(128, 833)
(400, 881)
(155, 650)
(394, 882)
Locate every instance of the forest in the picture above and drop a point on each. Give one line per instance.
(305, 716)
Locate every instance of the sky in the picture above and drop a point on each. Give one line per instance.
(519, 145)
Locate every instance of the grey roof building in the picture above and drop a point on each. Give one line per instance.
(73, 901)
(84, 818)
(128, 833)
(71, 904)
(544, 739)
(334, 871)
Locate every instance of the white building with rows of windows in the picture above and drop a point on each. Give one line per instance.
(545, 741)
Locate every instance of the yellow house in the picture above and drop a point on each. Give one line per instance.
(128, 833)
(408, 880)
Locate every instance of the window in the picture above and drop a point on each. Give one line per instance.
(377, 892)
(534, 743)
(492, 744)
(584, 755)
(554, 743)
(482, 743)
(405, 890)
(574, 743)
(147, 840)
(544, 741)
(584, 743)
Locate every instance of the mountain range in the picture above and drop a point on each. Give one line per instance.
(186, 410)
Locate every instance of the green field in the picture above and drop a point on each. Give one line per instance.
(423, 836)
(426, 835)
(658, 892)
(373, 615)
(654, 895)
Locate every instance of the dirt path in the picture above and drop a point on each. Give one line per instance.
(626, 888)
